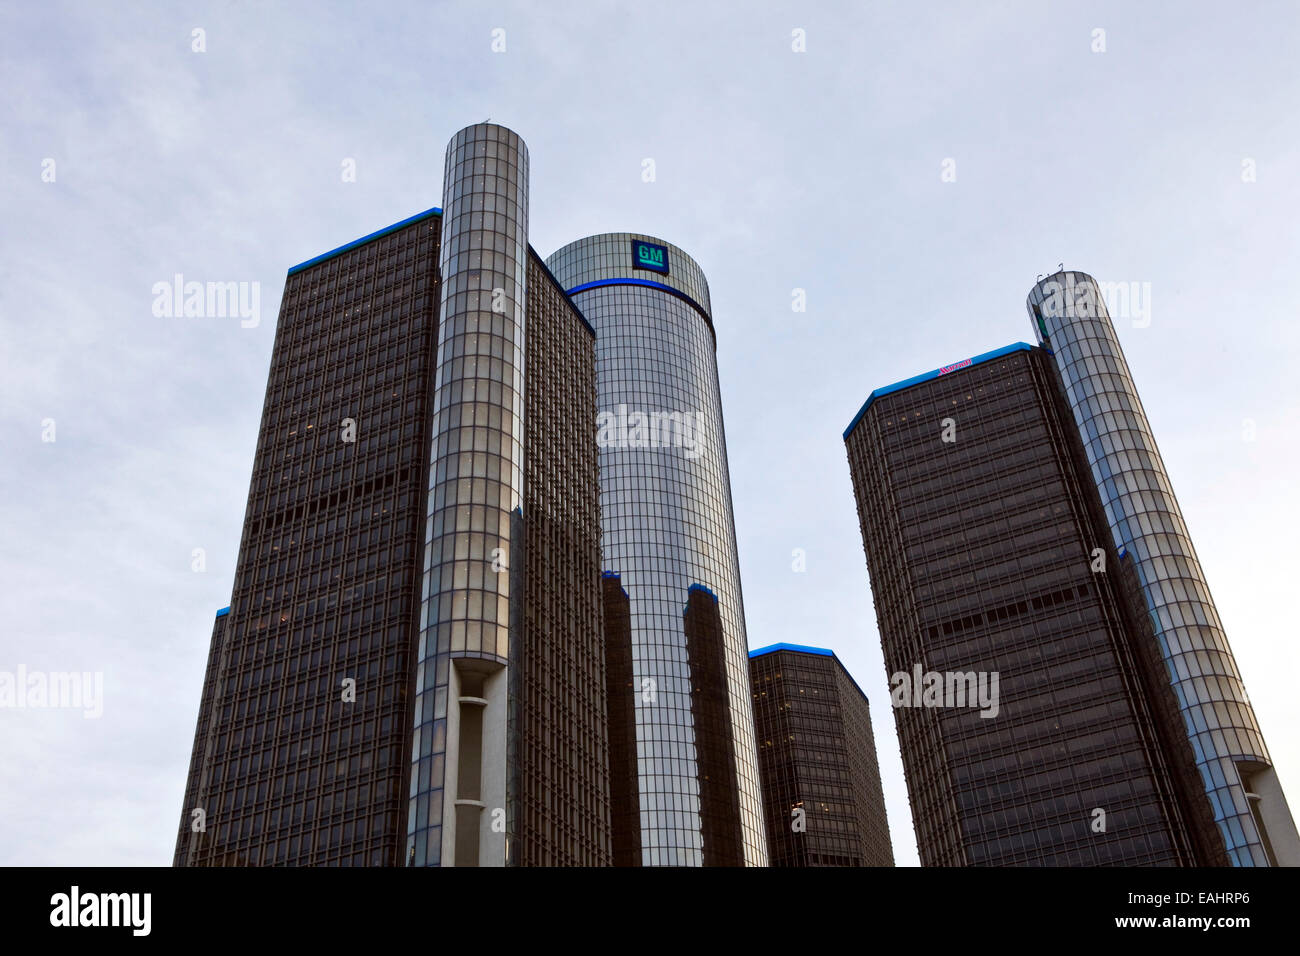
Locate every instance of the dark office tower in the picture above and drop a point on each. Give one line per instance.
(1146, 527)
(715, 747)
(817, 761)
(417, 604)
(303, 735)
(666, 522)
(1029, 727)
(562, 790)
(620, 691)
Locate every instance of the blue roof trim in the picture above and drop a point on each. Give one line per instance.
(615, 576)
(346, 247)
(701, 587)
(224, 611)
(649, 283)
(800, 648)
(926, 376)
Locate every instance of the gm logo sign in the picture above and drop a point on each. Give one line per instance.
(647, 255)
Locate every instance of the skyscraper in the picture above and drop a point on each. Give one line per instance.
(285, 769)
(412, 667)
(669, 550)
(817, 761)
(1072, 323)
(1034, 728)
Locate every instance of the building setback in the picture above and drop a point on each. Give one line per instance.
(676, 614)
(1045, 737)
(412, 667)
(817, 761)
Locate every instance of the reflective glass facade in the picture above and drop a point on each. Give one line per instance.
(1069, 315)
(476, 486)
(667, 524)
(817, 761)
(980, 538)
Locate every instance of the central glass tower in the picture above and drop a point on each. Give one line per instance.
(669, 548)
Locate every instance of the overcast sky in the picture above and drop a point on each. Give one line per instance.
(777, 170)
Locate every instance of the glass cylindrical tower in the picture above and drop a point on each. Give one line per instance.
(459, 758)
(669, 535)
(1071, 320)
